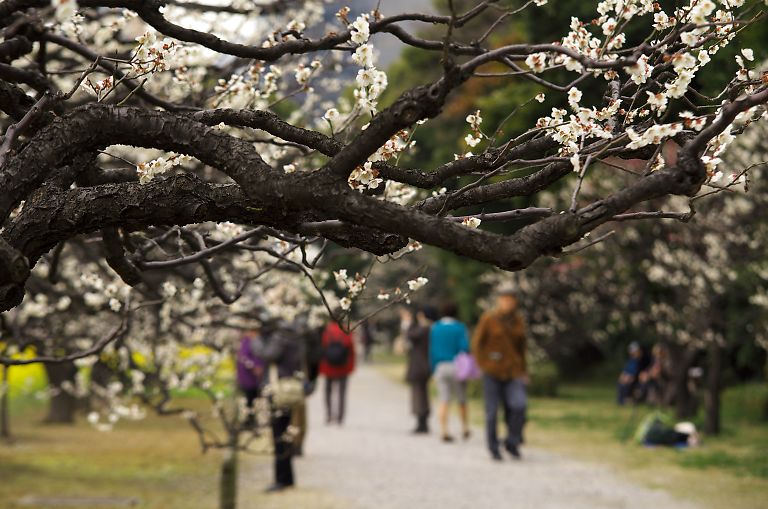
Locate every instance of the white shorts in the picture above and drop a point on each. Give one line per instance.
(449, 388)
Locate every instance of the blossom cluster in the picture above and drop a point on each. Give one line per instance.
(149, 170)
(476, 136)
(152, 55)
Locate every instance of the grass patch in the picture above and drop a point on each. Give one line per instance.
(157, 460)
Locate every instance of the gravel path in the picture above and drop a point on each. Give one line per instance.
(372, 462)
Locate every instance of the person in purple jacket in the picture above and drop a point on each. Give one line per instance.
(250, 371)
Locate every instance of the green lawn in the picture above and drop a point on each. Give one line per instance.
(730, 470)
(157, 460)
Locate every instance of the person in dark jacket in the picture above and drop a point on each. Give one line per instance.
(314, 354)
(418, 370)
(283, 348)
(337, 364)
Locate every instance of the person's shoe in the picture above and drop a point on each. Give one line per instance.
(421, 427)
(513, 451)
(276, 488)
(447, 439)
(466, 435)
(496, 456)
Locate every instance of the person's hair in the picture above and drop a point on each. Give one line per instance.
(429, 312)
(449, 309)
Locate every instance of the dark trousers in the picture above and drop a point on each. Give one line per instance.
(251, 395)
(624, 392)
(420, 398)
(339, 386)
(511, 395)
(281, 419)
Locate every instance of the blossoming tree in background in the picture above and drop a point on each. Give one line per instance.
(694, 282)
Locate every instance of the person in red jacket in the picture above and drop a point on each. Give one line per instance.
(337, 364)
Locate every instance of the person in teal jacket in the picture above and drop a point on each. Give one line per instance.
(447, 338)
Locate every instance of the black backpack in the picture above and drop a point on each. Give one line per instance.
(336, 353)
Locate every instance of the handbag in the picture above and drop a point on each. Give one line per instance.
(466, 367)
(285, 393)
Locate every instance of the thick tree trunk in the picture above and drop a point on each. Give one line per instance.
(63, 404)
(5, 423)
(684, 401)
(228, 480)
(712, 393)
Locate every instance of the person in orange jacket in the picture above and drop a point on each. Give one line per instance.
(499, 347)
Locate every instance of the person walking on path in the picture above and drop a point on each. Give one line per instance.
(312, 337)
(337, 364)
(418, 372)
(447, 338)
(250, 372)
(284, 351)
(499, 347)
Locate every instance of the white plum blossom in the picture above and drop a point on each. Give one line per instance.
(641, 71)
(472, 141)
(574, 96)
(361, 30)
(332, 115)
(471, 222)
(689, 38)
(296, 25)
(65, 9)
(303, 74)
(474, 120)
(657, 102)
(149, 170)
(537, 62)
(364, 177)
(363, 56)
(416, 284)
(654, 135)
(661, 21)
(576, 162)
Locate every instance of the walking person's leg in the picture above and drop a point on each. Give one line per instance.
(420, 406)
(491, 398)
(250, 397)
(461, 397)
(281, 419)
(342, 384)
(515, 402)
(444, 392)
(299, 422)
(328, 407)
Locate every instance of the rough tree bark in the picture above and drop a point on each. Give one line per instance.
(713, 388)
(228, 478)
(684, 400)
(63, 404)
(5, 422)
